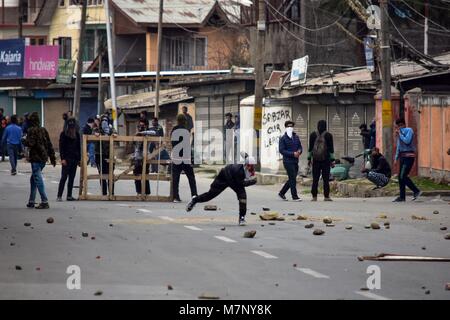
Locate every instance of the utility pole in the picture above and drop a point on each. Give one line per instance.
(259, 71)
(77, 95)
(100, 83)
(20, 17)
(426, 27)
(112, 79)
(159, 49)
(385, 51)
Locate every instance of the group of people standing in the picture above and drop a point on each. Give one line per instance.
(321, 158)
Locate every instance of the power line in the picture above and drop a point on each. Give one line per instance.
(437, 24)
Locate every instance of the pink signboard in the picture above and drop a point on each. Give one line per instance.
(41, 62)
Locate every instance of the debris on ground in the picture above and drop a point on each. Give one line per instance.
(38, 269)
(327, 220)
(330, 225)
(294, 265)
(364, 289)
(18, 268)
(447, 286)
(98, 293)
(272, 215)
(382, 216)
(443, 228)
(223, 228)
(85, 234)
(266, 209)
(169, 287)
(318, 232)
(280, 219)
(98, 257)
(302, 217)
(348, 227)
(250, 234)
(12, 244)
(208, 296)
(387, 223)
(50, 220)
(375, 226)
(210, 208)
(414, 217)
(253, 213)
(424, 248)
(367, 226)
(272, 223)
(92, 238)
(427, 292)
(309, 226)
(447, 236)
(435, 212)
(291, 214)
(398, 257)
(27, 224)
(111, 225)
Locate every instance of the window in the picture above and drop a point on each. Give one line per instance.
(93, 39)
(187, 52)
(65, 47)
(62, 3)
(36, 40)
(89, 2)
(200, 51)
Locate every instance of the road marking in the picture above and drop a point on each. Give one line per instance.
(145, 210)
(264, 254)
(371, 295)
(166, 218)
(193, 228)
(224, 239)
(122, 205)
(55, 182)
(313, 273)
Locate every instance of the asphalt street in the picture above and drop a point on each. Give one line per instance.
(143, 250)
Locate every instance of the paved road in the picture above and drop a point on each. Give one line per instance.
(152, 245)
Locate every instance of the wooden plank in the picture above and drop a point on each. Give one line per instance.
(111, 167)
(127, 138)
(96, 197)
(144, 163)
(140, 198)
(150, 176)
(83, 173)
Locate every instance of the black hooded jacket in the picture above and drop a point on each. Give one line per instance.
(321, 128)
(38, 142)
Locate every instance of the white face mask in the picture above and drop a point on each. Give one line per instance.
(290, 131)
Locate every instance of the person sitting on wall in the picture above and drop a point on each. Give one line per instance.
(380, 172)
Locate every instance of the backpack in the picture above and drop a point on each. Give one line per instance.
(320, 152)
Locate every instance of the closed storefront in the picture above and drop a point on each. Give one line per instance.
(53, 110)
(24, 105)
(6, 102)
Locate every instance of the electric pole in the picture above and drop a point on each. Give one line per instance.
(426, 28)
(100, 83)
(112, 79)
(385, 51)
(20, 17)
(259, 71)
(77, 94)
(158, 63)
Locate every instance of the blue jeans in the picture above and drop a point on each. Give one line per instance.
(13, 152)
(91, 152)
(37, 182)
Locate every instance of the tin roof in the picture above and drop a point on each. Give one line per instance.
(185, 12)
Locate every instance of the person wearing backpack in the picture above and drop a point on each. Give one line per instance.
(291, 149)
(321, 155)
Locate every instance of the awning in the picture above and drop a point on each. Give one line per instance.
(136, 102)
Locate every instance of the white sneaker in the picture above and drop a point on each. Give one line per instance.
(297, 199)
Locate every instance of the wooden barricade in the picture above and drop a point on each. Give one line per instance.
(148, 158)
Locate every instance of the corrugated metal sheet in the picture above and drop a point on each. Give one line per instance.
(185, 12)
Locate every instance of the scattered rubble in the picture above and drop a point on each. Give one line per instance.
(18, 268)
(291, 214)
(435, 212)
(447, 286)
(266, 209)
(318, 232)
(280, 219)
(424, 248)
(447, 236)
(294, 265)
(272, 223)
(272, 215)
(98, 257)
(309, 226)
(27, 224)
(387, 223)
(349, 227)
(50, 220)
(250, 234)
(330, 225)
(169, 287)
(414, 217)
(327, 220)
(85, 234)
(375, 226)
(12, 244)
(98, 293)
(302, 217)
(443, 228)
(223, 228)
(111, 225)
(253, 213)
(208, 296)
(210, 208)
(382, 216)
(427, 292)
(92, 238)
(367, 226)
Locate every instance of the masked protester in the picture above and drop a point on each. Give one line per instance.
(291, 149)
(102, 152)
(406, 155)
(40, 150)
(138, 160)
(236, 177)
(70, 152)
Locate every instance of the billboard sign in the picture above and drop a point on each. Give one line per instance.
(11, 58)
(299, 69)
(41, 62)
(65, 71)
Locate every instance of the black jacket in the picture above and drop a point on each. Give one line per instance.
(38, 142)
(87, 130)
(234, 176)
(329, 141)
(70, 149)
(380, 165)
(288, 146)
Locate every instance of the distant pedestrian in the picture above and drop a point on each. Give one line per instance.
(380, 171)
(70, 152)
(88, 129)
(102, 153)
(181, 160)
(365, 134)
(40, 150)
(321, 154)
(26, 123)
(373, 135)
(189, 121)
(406, 154)
(290, 148)
(12, 139)
(3, 126)
(138, 159)
(229, 138)
(155, 130)
(234, 176)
